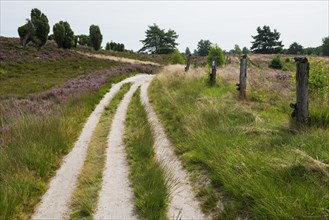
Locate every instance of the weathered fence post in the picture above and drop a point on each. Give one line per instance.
(213, 72)
(188, 62)
(300, 112)
(242, 86)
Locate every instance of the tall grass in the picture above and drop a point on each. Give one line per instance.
(33, 150)
(248, 149)
(85, 196)
(147, 176)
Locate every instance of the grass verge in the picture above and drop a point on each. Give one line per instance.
(85, 196)
(35, 146)
(147, 176)
(250, 150)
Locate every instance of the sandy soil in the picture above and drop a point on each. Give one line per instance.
(183, 203)
(116, 196)
(120, 59)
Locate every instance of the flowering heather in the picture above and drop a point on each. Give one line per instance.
(48, 102)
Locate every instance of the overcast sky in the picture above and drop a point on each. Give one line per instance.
(223, 22)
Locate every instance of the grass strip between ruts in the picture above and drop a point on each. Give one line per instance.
(147, 176)
(85, 196)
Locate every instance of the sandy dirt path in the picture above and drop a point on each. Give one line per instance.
(116, 196)
(55, 202)
(183, 204)
(119, 59)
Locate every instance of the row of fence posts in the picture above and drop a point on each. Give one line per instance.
(300, 108)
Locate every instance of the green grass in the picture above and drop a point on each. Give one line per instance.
(147, 177)
(35, 146)
(247, 149)
(85, 196)
(21, 79)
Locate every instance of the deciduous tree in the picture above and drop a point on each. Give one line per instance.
(295, 48)
(203, 47)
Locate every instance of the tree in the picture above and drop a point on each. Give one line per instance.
(158, 41)
(325, 46)
(84, 40)
(295, 48)
(187, 51)
(266, 42)
(245, 50)
(203, 47)
(96, 37)
(217, 52)
(63, 35)
(36, 29)
(237, 50)
(107, 47)
(26, 33)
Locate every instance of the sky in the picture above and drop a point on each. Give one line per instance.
(225, 23)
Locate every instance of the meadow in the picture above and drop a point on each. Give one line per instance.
(247, 158)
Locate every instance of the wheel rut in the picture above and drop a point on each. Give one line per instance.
(116, 199)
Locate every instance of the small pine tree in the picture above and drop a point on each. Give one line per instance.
(276, 62)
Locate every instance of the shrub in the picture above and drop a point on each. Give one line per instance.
(63, 35)
(276, 62)
(96, 36)
(318, 78)
(36, 29)
(218, 53)
(176, 57)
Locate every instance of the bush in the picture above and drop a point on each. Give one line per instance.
(177, 58)
(96, 36)
(63, 35)
(216, 51)
(318, 78)
(276, 62)
(36, 29)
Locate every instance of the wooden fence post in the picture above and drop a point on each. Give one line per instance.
(213, 72)
(301, 106)
(242, 86)
(188, 62)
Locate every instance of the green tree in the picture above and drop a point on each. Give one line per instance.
(325, 46)
(176, 57)
(187, 51)
(295, 48)
(96, 37)
(26, 33)
(217, 52)
(237, 50)
(84, 40)
(107, 47)
(63, 35)
(158, 41)
(203, 47)
(266, 42)
(36, 29)
(245, 50)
